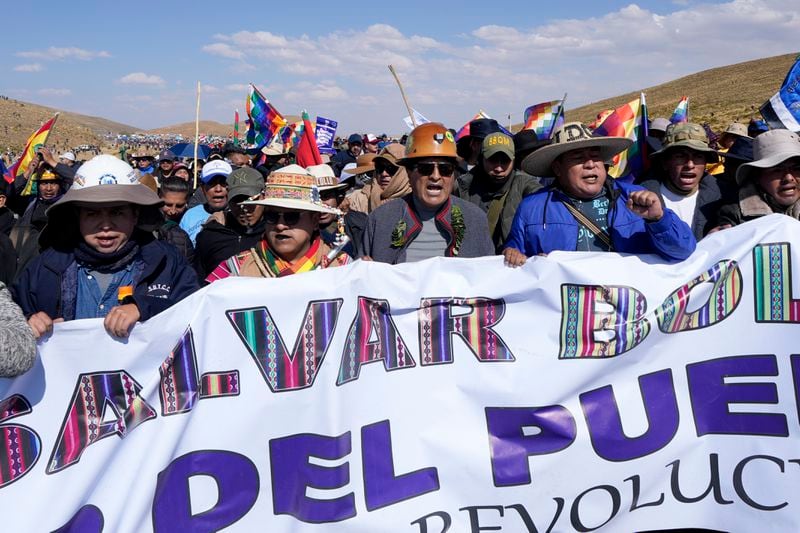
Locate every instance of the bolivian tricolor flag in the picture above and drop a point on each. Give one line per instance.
(35, 142)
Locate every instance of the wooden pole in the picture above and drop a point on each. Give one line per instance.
(403, 94)
(196, 133)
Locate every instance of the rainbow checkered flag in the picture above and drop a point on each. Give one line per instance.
(544, 118)
(681, 113)
(629, 120)
(265, 121)
(464, 130)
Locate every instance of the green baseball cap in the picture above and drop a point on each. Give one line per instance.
(687, 135)
(496, 143)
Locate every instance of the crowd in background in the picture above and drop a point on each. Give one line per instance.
(123, 237)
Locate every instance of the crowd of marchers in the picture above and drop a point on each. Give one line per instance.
(124, 238)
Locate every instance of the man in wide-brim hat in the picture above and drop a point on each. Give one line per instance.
(583, 210)
(144, 163)
(101, 261)
(681, 179)
(292, 243)
(768, 184)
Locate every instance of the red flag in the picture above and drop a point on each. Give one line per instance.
(307, 150)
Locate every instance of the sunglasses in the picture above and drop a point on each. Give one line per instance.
(290, 218)
(426, 169)
(389, 168)
(327, 195)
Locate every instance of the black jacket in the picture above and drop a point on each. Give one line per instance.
(172, 233)
(215, 243)
(165, 280)
(476, 188)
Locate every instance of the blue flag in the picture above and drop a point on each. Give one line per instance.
(325, 132)
(782, 111)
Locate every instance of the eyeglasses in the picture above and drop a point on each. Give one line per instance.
(381, 167)
(426, 169)
(290, 218)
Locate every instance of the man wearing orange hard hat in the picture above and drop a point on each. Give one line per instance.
(428, 222)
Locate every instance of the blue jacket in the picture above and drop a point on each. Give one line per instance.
(543, 224)
(50, 281)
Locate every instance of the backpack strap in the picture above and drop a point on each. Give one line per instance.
(590, 225)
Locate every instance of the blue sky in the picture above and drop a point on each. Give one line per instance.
(138, 63)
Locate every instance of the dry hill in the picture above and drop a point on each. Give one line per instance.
(19, 119)
(209, 127)
(718, 96)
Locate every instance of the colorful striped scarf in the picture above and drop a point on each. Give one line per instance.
(281, 268)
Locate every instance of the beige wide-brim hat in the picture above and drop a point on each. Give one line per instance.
(325, 178)
(292, 187)
(771, 148)
(572, 136)
(104, 179)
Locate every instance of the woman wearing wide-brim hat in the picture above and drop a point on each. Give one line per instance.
(769, 183)
(389, 181)
(100, 259)
(292, 243)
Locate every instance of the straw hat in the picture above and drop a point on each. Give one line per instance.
(292, 187)
(571, 136)
(325, 177)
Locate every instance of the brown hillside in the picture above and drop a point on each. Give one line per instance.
(209, 127)
(718, 96)
(19, 119)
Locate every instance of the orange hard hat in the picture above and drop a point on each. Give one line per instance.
(430, 140)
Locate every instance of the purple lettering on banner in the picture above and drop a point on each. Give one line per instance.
(605, 424)
(438, 324)
(88, 519)
(772, 284)
(373, 320)
(587, 330)
(711, 396)
(673, 315)
(292, 473)
(181, 384)
(381, 486)
(510, 447)
(20, 446)
(83, 424)
(284, 371)
(237, 486)
(795, 360)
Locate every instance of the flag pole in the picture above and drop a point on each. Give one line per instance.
(47, 135)
(403, 94)
(196, 132)
(560, 114)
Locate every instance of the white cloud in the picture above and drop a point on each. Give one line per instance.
(29, 67)
(223, 50)
(141, 78)
(55, 53)
(54, 92)
(501, 69)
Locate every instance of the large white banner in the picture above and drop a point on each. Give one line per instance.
(582, 392)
